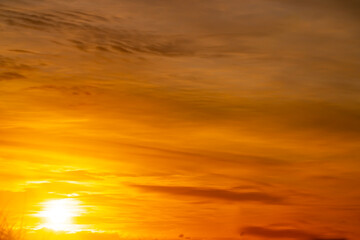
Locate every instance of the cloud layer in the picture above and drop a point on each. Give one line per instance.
(183, 117)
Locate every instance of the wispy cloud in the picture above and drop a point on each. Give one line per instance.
(212, 193)
(273, 233)
(277, 233)
(203, 114)
(10, 75)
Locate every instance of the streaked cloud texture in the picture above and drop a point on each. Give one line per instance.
(183, 118)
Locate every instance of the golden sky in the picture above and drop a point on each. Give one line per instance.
(182, 119)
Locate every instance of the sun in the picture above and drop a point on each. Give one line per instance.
(58, 214)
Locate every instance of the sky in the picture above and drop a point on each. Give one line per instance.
(183, 119)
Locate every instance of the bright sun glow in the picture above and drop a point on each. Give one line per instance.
(58, 214)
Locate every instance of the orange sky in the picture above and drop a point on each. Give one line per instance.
(176, 119)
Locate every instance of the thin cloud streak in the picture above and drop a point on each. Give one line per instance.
(207, 115)
(211, 193)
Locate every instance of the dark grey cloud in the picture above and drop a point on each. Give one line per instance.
(216, 35)
(10, 76)
(22, 51)
(54, 21)
(286, 233)
(330, 239)
(276, 233)
(87, 33)
(213, 193)
(14, 65)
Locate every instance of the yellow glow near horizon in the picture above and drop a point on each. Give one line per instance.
(58, 214)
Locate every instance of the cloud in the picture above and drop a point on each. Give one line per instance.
(54, 20)
(11, 76)
(213, 193)
(208, 157)
(217, 35)
(80, 90)
(349, 7)
(72, 175)
(81, 235)
(85, 33)
(330, 239)
(276, 233)
(255, 97)
(14, 64)
(287, 233)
